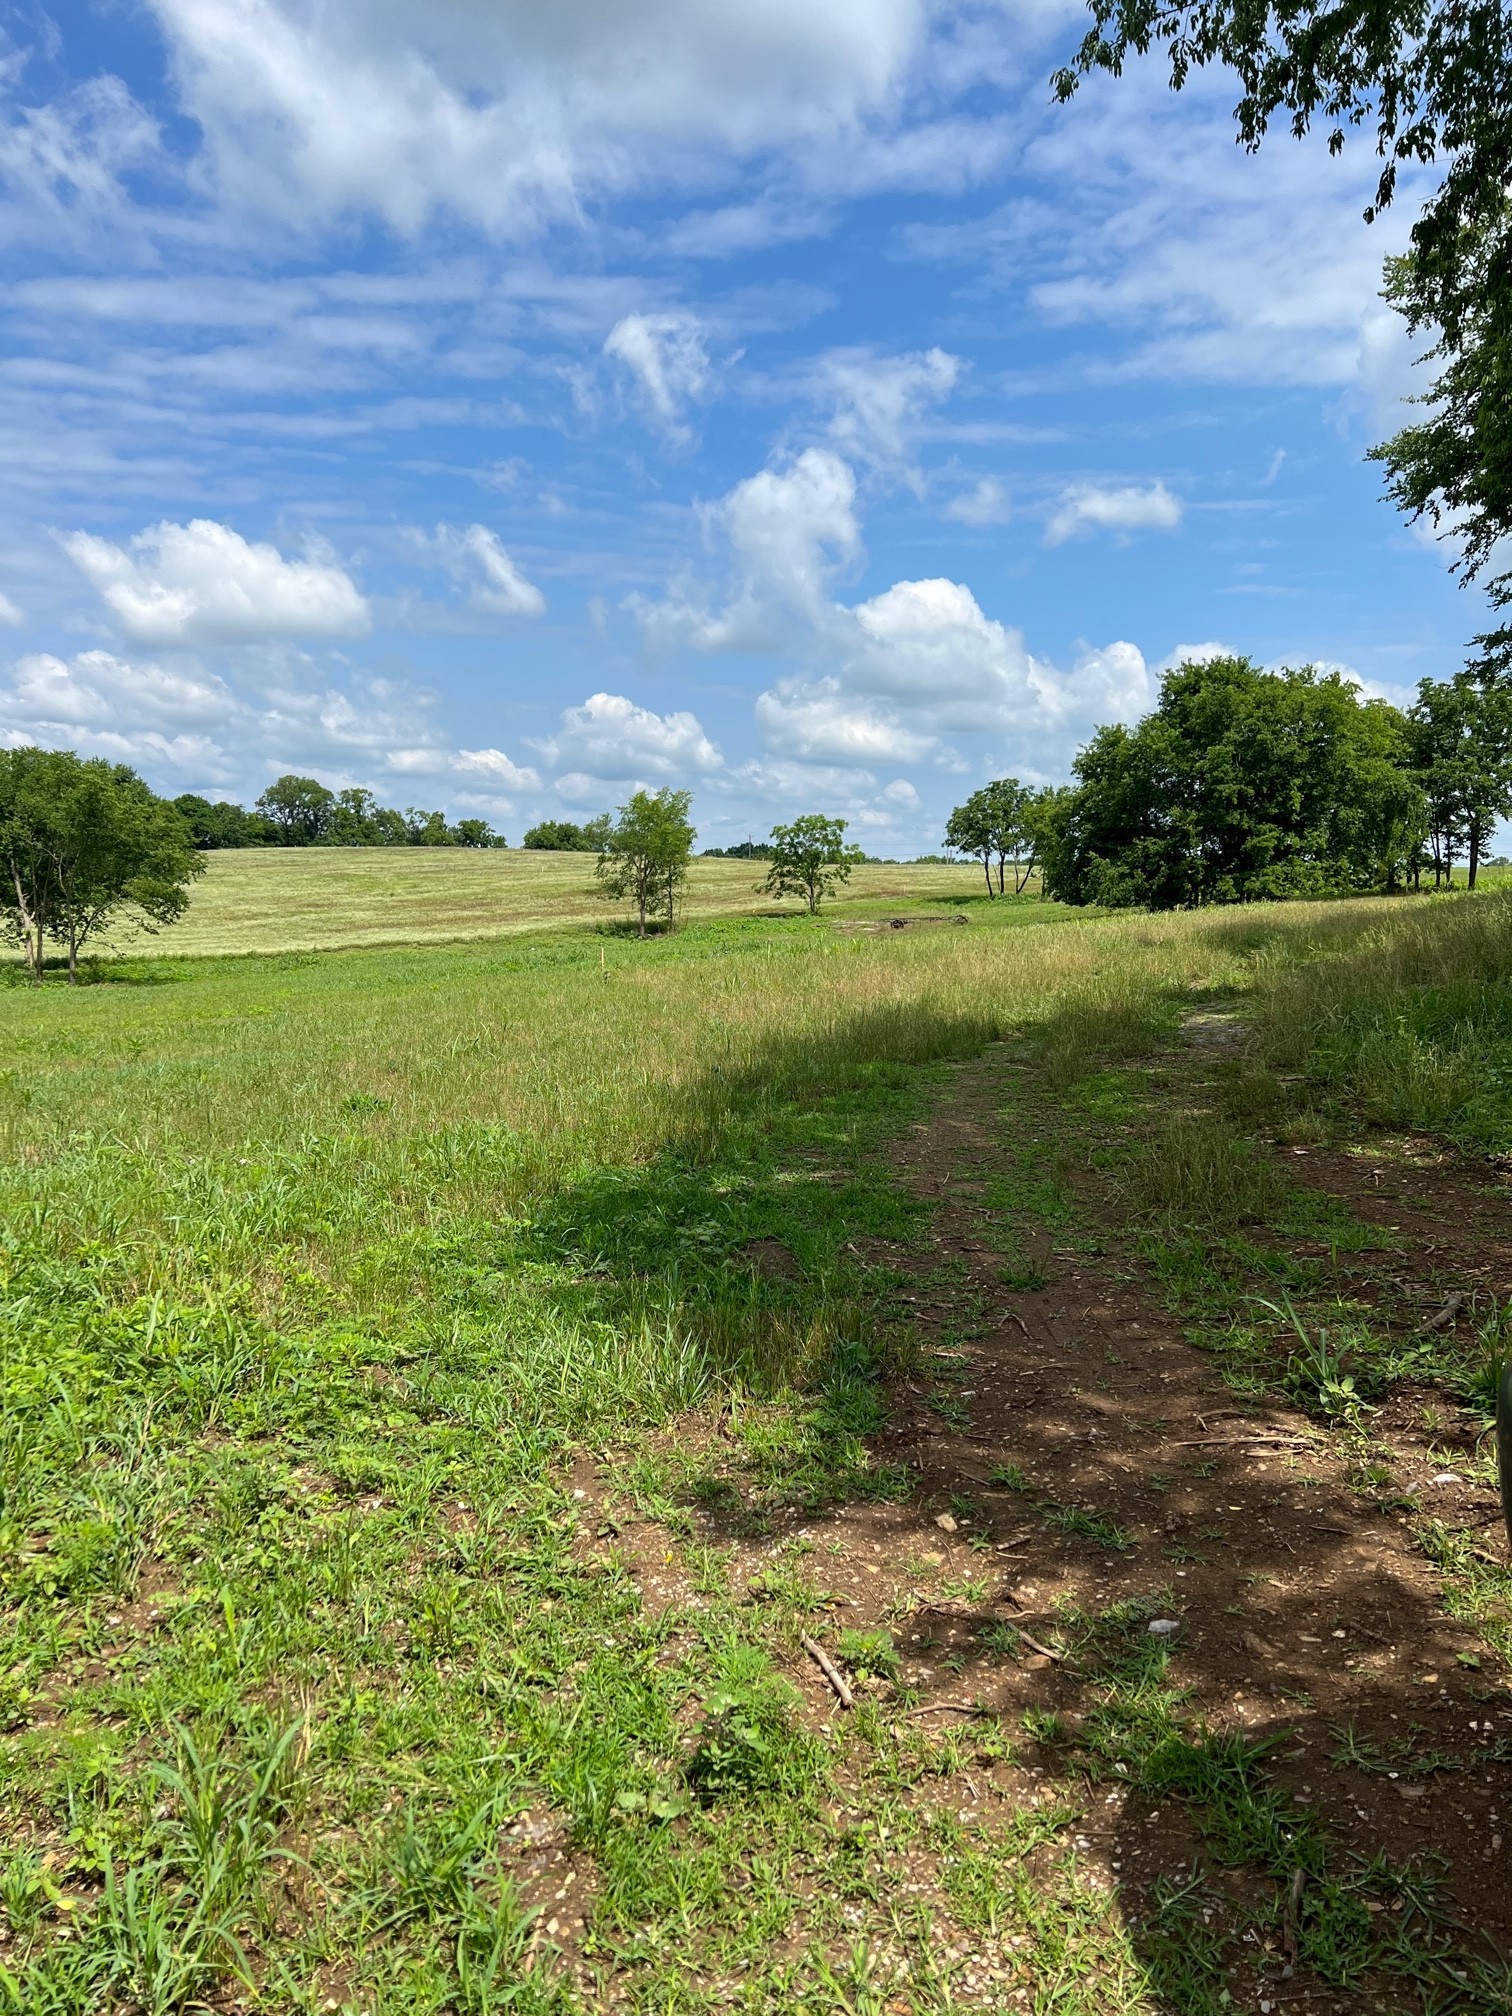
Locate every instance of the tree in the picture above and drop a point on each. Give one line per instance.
(427, 829)
(477, 833)
(966, 830)
(300, 808)
(354, 819)
(1434, 78)
(561, 836)
(1462, 754)
(1241, 785)
(222, 824)
(810, 858)
(644, 853)
(1039, 822)
(990, 825)
(83, 843)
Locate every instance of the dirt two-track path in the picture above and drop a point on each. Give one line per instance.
(1303, 1609)
(1305, 1613)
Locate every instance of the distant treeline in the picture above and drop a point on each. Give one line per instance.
(301, 812)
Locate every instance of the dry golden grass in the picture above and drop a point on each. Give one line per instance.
(291, 899)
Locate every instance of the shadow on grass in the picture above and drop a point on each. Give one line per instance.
(1261, 1826)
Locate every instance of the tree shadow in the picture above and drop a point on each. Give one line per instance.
(1300, 1786)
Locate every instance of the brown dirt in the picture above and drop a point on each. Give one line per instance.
(1303, 1609)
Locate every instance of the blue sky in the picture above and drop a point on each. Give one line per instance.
(501, 406)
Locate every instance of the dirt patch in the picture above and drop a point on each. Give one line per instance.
(1307, 1615)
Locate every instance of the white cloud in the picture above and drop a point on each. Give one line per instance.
(495, 766)
(515, 113)
(204, 583)
(609, 737)
(98, 688)
(666, 357)
(985, 504)
(821, 723)
(879, 402)
(11, 615)
(474, 559)
(1090, 508)
(788, 528)
(62, 164)
(1192, 654)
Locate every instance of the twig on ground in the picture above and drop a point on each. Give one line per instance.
(1446, 1315)
(949, 1708)
(829, 1669)
(1245, 1442)
(1291, 1944)
(1044, 1651)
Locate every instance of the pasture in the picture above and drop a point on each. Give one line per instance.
(295, 899)
(450, 1388)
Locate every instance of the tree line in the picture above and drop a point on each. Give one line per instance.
(303, 812)
(1244, 785)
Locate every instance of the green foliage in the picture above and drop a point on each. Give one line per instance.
(810, 858)
(645, 853)
(1241, 785)
(869, 1652)
(746, 1743)
(83, 844)
(301, 808)
(1462, 753)
(1434, 79)
(562, 836)
(1004, 821)
(223, 824)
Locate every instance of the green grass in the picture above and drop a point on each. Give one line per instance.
(319, 1275)
(282, 899)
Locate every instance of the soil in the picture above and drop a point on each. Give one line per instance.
(1303, 1610)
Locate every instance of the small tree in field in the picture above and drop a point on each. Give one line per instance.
(644, 854)
(810, 858)
(81, 844)
(990, 825)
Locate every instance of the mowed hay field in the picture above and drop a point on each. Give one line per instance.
(435, 1381)
(286, 899)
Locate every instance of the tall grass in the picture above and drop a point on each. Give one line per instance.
(1410, 1021)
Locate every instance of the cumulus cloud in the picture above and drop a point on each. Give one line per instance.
(986, 503)
(788, 529)
(608, 737)
(97, 688)
(203, 583)
(11, 615)
(1089, 508)
(497, 768)
(475, 560)
(667, 361)
(820, 722)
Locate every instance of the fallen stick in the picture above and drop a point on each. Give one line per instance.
(949, 1708)
(1244, 1442)
(1290, 1938)
(1445, 1316)
(1035, 1646)
(829, 1669)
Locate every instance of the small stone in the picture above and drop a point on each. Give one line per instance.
(1448, 1477)
(945, 1523)
(1163, 1627)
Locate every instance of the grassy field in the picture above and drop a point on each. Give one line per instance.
(325, 1275)
(293, 899)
